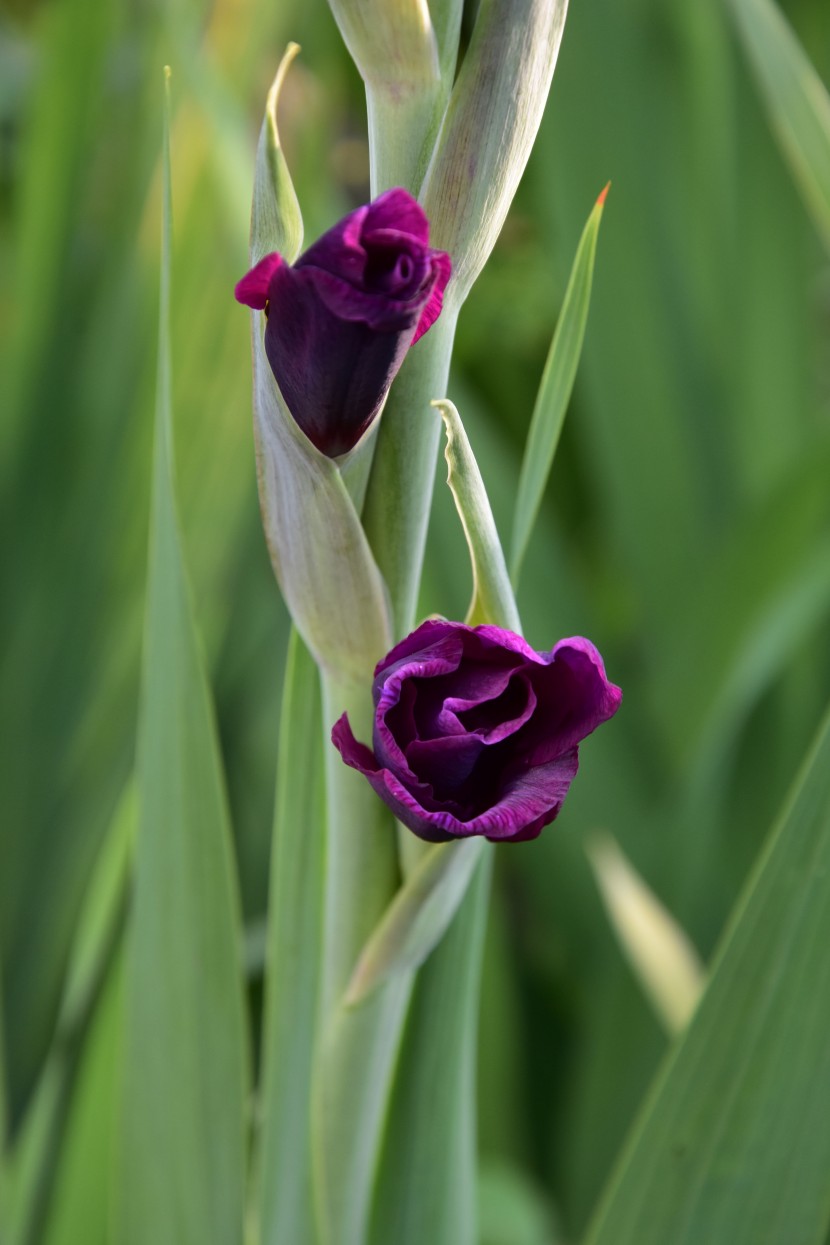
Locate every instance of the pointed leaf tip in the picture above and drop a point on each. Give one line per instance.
(603, 195)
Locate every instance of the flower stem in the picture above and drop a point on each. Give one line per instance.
(399, 495)
(361, 865)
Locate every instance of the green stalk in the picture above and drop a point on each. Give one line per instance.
(399, 495)
(356, 1046)
(361, 860)
(391, 114)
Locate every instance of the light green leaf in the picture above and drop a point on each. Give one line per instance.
(46, 1148)
(293, 959)
(512, 1210)
(488, 130)
(796, 99)
(350, 1104)
(425, 1190)
(493, 600)
(659, 951)
(358, 1046)
(182, 1160)
(555, 389)
(733, 1147)
(417, 918)
(80, 1206)
(319, 551)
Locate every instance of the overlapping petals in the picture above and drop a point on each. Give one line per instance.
(341, 319)
(475, 733)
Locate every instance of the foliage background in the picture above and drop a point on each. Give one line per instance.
(685, 529)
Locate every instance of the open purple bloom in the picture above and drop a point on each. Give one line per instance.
(341, 319)
(475, 733)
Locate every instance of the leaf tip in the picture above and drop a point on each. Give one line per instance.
(603, 195)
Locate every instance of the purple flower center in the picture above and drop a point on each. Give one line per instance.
(390, 270)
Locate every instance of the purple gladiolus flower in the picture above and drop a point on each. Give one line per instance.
(341, 319)
(475, 733)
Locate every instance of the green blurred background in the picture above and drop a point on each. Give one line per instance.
(686, 528)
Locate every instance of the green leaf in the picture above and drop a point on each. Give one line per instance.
(743, 1101)
(512, 1211)
(555, 389)
(417, 918)
(660, 953)
(427, 1175)
(350, 1104)
(493, 600)
(293, 959)
(182, 1161)
(358, 1046)
(796, 99)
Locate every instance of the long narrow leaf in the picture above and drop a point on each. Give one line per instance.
(555, 389)
(293, 957)
(796, 99)
(182, 1162)
(733, 1147)
(426, 1182)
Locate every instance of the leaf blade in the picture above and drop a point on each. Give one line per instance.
(293, 959)
(742, 1099)
(182, 1159)
(796, 99)
(555, 389)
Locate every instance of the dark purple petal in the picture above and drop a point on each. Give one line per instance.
(253, 289)
(531, 801)
(399, 269)
(574, 698)
(475, 733)
(396, 209)
(442, 270)
(340, 250)
(433, 631)
(380, 311)
(496, 719)
(341, 320)
(444, 764)
(333, 374)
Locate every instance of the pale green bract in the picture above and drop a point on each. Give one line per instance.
(317, 545)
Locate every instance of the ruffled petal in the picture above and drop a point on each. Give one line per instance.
(396, 209)
(442, 269)
(574, 698)
(340, 250)
(253, 289)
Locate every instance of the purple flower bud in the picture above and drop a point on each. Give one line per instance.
(475, 733)
(341, 319)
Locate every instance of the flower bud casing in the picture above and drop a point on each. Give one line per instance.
(489, 128)
(320, 555)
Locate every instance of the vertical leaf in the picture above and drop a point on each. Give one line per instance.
(555, 389)
(293, 958)
(796, 99)
(426, 1181)
(182, 1163)
(744, 1099)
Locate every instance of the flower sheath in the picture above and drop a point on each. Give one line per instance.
(341, 319)
(477, 734)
